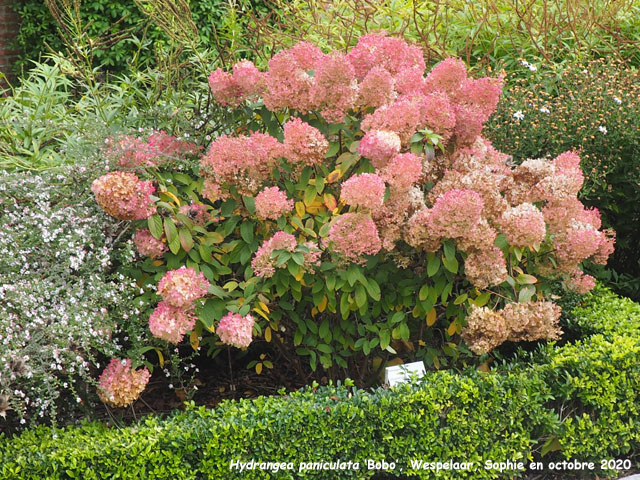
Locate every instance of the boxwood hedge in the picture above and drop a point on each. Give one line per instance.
(575, 402)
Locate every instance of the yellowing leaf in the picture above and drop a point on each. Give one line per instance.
(300, 210)
(431, 317)
(323, 304)
(264, 307)
(259, 368)
(230, 286)
(173, 197)
(261, 313)
(157, 263)
(300, 275)
(452, 328)
(334, 176)
(484, 367)
(314, 312)
(215, 237)
(160, 357)
(194, 340)
(330, 201)
(267, 334)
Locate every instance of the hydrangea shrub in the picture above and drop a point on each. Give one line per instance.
(361, 211)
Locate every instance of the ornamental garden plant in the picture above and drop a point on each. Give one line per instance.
(358, 213)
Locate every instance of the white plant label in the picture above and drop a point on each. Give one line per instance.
(402, 373)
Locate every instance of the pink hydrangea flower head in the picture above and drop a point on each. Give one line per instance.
(580, 283)
(377, 49)
(119, 385)
(171, 323)
(403, 116)
(364, 190)
(272, 203)
(410, 81)
(304, 144)
(526, 178)
(236, 330)
(288, 83)
(456, 212)
(523, 225)
(335, 87)
(158, 148)
(148, 245)
(487, 267)
(181, 287)
(485, 330)
(306, 55)
(560, 187)
(226, 156)
(420, 233)
(224, 89)
(124, 196)
(379, 146)
(168, 146)
(248, 78)
(448, 76)
(129, 152)
(567, 162)
(564, 181)
(265, 266)
(245, 162)
(438, 114)
(312, 257)
(578, 243)
(403, 171)
(560, 215)
(469, 123)
(481, 237)
(482, 93)
(354, 235)
(590, 216)
(376, 89)
(606, 247)
(212, 189)
(531, 321)
(283, 241)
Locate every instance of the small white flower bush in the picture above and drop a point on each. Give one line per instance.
(61, 305)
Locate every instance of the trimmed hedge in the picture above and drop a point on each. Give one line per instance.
(582, 398)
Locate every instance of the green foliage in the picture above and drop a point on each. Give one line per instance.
(579, 401)
(124, 34)
(595, 109)
(487, 33)
(57, 115)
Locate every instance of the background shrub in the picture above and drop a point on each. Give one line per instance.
(64, 307)
(128, 34)
(564, 406)
(493, 33)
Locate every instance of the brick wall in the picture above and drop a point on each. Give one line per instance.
(9, 24)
